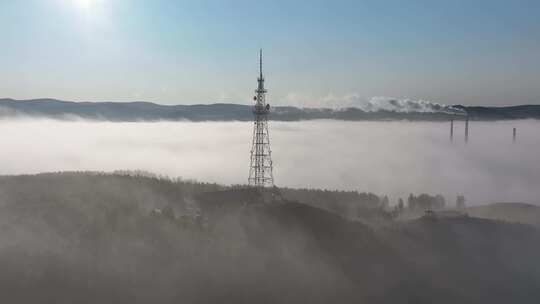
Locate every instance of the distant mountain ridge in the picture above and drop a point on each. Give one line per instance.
(147, 111)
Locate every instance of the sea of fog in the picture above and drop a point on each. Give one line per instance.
(392, 158)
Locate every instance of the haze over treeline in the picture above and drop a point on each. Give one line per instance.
(127, 130)
(135, 238)
(387, 158)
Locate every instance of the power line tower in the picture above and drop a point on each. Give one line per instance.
(260, 172)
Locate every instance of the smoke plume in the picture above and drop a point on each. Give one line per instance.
(373, 104)
(406, 106)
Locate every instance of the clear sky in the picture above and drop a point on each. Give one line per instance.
(316, 52)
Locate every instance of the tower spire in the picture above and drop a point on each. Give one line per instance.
(260, 63)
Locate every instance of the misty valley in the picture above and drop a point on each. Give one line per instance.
(393, 158)
(364, 212)
(273, 152)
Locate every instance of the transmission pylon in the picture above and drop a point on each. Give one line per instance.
(260, 172)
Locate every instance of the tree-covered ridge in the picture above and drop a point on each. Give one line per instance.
(131, 237)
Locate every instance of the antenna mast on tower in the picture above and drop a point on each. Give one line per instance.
(260, 172)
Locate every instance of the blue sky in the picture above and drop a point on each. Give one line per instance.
(316, 52)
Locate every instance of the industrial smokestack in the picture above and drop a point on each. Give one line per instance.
(467, 129)
(514, 134)
(451, 130)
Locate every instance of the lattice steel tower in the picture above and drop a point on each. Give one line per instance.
(260, 172)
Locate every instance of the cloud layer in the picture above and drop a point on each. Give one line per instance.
(394, 158)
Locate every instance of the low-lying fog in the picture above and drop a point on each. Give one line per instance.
(394, 158)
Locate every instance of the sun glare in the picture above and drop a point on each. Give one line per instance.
(85, 4)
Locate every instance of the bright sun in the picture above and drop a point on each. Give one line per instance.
(85, 4)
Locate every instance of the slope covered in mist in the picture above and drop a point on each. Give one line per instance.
(146, 111)
(510, 212)
(100, 238)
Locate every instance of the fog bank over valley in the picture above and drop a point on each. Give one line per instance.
(387, 158)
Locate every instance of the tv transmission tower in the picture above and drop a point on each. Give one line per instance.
(260, 172)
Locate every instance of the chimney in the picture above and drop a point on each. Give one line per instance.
(467, 129)
(452, 130)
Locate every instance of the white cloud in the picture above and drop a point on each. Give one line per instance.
(393, 158)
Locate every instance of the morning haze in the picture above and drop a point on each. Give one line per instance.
(387, 158)
(378, 152)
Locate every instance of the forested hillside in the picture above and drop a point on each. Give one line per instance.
(137, 238)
